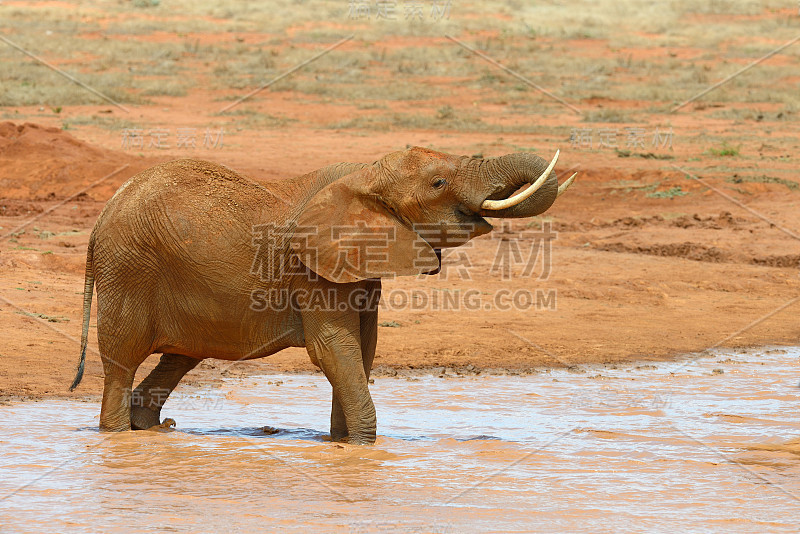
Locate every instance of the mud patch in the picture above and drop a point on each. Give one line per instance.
(700, 252)
(789, 261)
(686, 250)
(723, 220)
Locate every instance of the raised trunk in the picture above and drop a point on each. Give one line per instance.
(504, 175)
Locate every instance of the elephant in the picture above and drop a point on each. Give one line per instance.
(180, 250)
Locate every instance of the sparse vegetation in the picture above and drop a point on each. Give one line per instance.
(644, 155)
(445, 113)
(626, 186)
(672, 192)
(106, 122)
(131, 70)
(48, 318)
(763, 179)
(413, 121)
(606, 115)
(251, 118)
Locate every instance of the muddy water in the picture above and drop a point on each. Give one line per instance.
(703, 445)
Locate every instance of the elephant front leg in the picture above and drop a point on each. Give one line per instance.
(334, 341)
(149, 397)
(368, 331)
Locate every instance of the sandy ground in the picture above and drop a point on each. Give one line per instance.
(634, 277)
(648, 262)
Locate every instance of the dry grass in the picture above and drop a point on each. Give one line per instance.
(764, 179)
(660, 53)
(246, 118)
(107, 123)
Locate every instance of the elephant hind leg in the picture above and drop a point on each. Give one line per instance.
(115, 411)
(149, 397)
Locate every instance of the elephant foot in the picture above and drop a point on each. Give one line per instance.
(143, 418)
(343, 436)
(355, 440)
(339, 435)
(121, 427)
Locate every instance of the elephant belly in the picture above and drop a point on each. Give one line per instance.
(216, 326)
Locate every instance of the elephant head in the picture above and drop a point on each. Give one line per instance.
(394, 216)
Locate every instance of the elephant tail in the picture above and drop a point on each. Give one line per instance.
(88, 289)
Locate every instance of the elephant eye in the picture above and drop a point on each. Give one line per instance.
(439, 183)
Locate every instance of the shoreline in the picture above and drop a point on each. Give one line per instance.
(204, 375)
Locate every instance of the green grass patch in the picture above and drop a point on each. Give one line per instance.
(725, 151)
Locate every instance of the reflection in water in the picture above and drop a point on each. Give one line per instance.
(710, 445)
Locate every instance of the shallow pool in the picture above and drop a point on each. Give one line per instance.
(704, 444)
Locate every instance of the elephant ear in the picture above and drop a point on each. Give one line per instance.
(346, 234)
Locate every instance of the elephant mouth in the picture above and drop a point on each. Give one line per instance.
(455, 230)
(438, 269)
(476, 224)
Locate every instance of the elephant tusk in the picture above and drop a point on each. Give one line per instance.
(522, 195)
(563, 187)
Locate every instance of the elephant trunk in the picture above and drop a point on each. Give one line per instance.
(506, 174)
